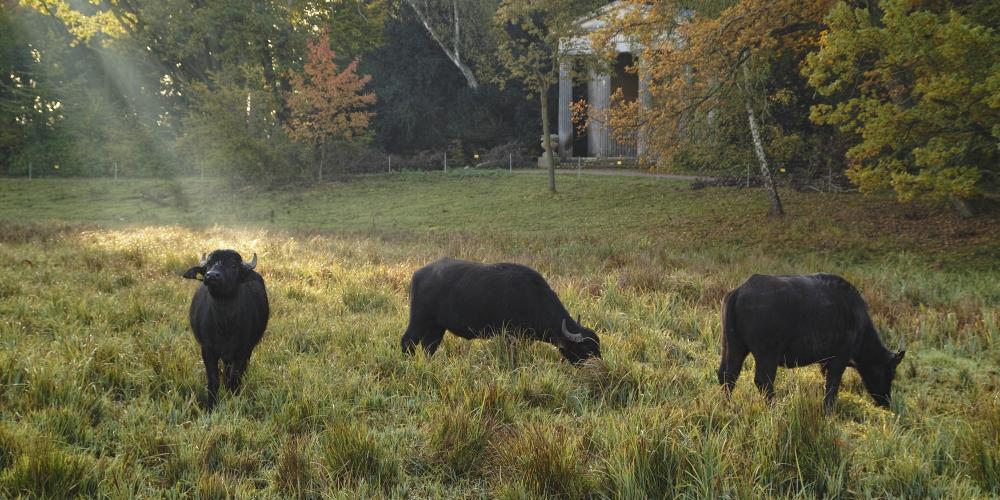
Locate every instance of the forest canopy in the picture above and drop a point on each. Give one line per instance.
(878, 95)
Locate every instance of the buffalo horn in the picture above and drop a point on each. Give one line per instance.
(572, 337)
(252, 264)
(203, 260)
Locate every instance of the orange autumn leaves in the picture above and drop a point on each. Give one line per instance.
(328, 104)
(693, 61)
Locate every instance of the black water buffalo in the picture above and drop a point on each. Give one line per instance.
(475, 300)
(795, 321)
(228, 316)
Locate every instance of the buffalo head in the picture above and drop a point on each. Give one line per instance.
(878, 377)
(222, 271)
(579, 345)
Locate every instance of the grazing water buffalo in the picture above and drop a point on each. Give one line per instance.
(228, 316)
(475, 300)
(795, 321)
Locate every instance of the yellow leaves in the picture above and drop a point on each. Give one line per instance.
(918, 93)
(692, 59)
(83, 26)
(782, 96)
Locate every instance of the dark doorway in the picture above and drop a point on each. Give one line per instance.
(628, 82)
(621, 78)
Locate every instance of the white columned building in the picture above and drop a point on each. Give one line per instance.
(597, 89)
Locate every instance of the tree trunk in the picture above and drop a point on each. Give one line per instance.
(874, 14)
(547, 159)
(765, 172)
(453, 55)
(322, 156)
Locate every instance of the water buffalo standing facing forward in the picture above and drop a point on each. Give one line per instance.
(795, 321)
(228, 316)
(475, 300)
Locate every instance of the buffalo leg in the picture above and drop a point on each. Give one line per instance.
(211, 360)
(410, 338)
(833, 371)
(764, 376)
(234, 373)
(730, 366)
(431, 340)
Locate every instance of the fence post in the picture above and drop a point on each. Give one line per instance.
(29, 170)
(445, 161)
(579, 166)
(390, 164)
(748, 175)
(510, 163)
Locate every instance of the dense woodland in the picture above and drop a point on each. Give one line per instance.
(879, 95)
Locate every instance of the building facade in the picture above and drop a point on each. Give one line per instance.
(597, 87)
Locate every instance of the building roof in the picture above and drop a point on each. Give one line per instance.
(596, 21)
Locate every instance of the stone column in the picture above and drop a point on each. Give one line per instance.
(565, 115)
(645, 102)
(599, 95)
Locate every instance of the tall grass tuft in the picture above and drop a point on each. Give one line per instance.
(459, 436)
(645, 458)
(350, 454)
(294, 475)
(811, 447)
(982, 444)
(550, 460)
(41, 470)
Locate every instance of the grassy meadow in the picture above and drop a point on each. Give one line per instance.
(101, 380)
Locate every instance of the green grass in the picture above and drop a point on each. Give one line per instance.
(100, 378)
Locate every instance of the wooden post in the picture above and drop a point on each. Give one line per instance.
(390, 164)
(29, 170)
(445, 161)
(510, 163)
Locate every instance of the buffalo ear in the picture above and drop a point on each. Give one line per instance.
(193, 273)
(898, 357)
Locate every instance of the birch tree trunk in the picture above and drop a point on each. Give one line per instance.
(758, 147)
(453, 54)
(765, 172)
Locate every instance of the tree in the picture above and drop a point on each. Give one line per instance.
(530, 32)
(327, 104)
(698, 63)
(418, 86)
(918, 90)
(458, 27)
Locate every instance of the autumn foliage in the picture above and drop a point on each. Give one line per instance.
(327, 104)
(901, 95)
(919, 90)
(694, 61)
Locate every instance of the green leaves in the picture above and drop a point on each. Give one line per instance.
(921, 96)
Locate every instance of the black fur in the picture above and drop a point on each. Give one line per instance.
(795, 321)
(228, 316)
(475, 300)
